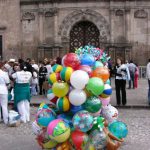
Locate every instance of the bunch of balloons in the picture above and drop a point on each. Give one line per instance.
(81, 117)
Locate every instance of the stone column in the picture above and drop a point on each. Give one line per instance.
(41, 25)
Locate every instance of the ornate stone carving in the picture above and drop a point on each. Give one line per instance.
(89, 15)
(119, 12)
(140, 14)
(51, 12)
(28, 16)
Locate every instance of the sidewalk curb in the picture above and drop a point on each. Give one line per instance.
(118, 107)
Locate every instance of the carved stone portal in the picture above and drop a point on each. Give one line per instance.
(140, 14)
(28, 16)
(85, 15)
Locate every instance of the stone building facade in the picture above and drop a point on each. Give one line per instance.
(51, 28)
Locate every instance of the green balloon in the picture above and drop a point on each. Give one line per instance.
(97, 64)
(92, 104)
(95, 86)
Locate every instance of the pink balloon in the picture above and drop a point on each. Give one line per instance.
(85, 68)
(105, 101)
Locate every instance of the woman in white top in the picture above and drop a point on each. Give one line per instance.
(121, 75)
(22, 92)
(4, 81)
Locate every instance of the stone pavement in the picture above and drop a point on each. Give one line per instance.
(136, 98)
(22, 138)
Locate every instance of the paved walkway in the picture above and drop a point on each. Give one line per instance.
(22, 137)
(135, 97)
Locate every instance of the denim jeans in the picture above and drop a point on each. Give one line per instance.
(148, 91)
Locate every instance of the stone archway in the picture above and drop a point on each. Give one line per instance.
(84, 15)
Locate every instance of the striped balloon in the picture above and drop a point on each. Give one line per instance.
(63, 104)
(57, 68)
(65, 74)
(54, 77)
(107, 91)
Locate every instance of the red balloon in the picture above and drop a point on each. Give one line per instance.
(79, 139)
(71, 60)
(85, 68)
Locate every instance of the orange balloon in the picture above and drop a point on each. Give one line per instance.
(64, 146)
(101, 72)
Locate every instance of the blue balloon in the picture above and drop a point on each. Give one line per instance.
(67, 118)
(87, 59)
(118, 129)
(75, 109)
(45, 116)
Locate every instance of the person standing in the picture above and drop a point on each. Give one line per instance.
(42, 77)
(136, 77)
(22, 92)
(132, 69)
(121, 75)
(4, 82)
(34, 82)
(148, 77)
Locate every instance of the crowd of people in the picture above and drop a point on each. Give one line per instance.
(23, 79)
(26, 78)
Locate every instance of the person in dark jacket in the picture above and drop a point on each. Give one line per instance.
(42, 77)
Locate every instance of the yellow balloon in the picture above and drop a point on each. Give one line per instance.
(61, 138)
(49, 144)
(60, 89)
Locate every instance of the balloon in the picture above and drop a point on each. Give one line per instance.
(108, 82)
(71, 60)
(63, 104)
(105, 101)
(36, 128)
(98, 139)
(101, 72)
(54, 77)
(77, 97)
(75, 109)
(110, 113)
(97, 64)
(51, 97)
(44, 140)
(58, 130)
(65, 74)
(79, 79)
(45, 116)
(66, 118)
(64, 146)
(79, 140)
(85, 68)
(82, 121)
(96, 114)
(98, 124)
(57, 68)
(118, 129)
(87, 59)
(92, 104)
(107, 91)
(60, 89)
(95, 86)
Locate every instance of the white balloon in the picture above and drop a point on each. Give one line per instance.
(110, 113)
(77, 97)
(79, 79)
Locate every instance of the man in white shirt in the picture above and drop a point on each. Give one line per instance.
(4, 81)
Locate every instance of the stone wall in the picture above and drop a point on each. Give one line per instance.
(30, 24)
(10, 27)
